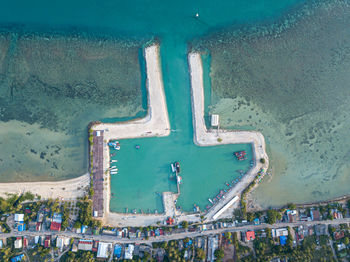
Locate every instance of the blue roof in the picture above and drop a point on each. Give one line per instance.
(283, 240)
(21, 227)
(117, 251)
(17, 258)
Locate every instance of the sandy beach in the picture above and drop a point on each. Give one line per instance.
(65, 190)
(203, 137)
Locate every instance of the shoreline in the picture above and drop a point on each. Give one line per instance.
(65, 189)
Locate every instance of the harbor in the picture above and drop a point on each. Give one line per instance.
(180, 172)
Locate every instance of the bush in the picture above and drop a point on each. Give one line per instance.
(262, 160)
(220, 139)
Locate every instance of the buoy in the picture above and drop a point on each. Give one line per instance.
(197, 15)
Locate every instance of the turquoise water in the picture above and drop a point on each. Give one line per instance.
(144, 172)
(291, 82)
(174, 24)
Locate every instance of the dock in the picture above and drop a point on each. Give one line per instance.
(97, 173)
(169, 203)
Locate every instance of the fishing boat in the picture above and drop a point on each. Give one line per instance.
(137, 147)
(179, 180)
(114, 161)
(211, 201)
(177, 166)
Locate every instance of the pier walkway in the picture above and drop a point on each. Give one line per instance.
(97, 172)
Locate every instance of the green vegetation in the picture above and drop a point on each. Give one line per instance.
(80, 256)
(273, 216)
(219, 254)
(262, 160)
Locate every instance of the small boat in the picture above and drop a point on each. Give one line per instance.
(173, 168)
(137, 147)
(177, 166)
(179, 180)
(114, 161)
(211, 201)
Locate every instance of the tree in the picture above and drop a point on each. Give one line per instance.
(291, 206)
(346, 241)
(219, 254)
(184, 224)
(272, 216)
(262, 160)
(200, 254)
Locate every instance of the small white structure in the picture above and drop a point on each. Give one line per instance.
(129, 252)
(95, 213)
(214, 120)
(279, 232)
(103, 249)
(18, 242)
(98, 133)
(19, 217)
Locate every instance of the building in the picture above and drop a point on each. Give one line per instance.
(214, 120)
(103, 249)
(47, 242)
(85, 244)
(279, 232)
(18, 242)
(19, 218)
(55, 226)
(339, 235)
(61, 242)
(283, 240)
(118, 251)
(18, 258)
(21, 227)
(129, 252)
(315, 215)
(25, 242)
(250, 235)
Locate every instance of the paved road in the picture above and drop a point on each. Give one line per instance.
(114, 239)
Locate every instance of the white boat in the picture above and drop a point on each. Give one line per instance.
(114, 161)
(211, 201)
(173, 168)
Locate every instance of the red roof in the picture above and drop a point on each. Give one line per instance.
(25, 242)
(170, 221)
(55, 226)
(47, 243)
(250, 235)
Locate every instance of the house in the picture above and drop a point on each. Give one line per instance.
(214, 120)
(74, 248)
(55, 226)
(18, 242)
(283, 240)
(25, 242)
(19, 218)
(170, 221)
(36, 240)
(85, 244)
(129, 252)
(47, 242)
(339, 235)
(250, 235)
(117, 251)
(279, 232)
(83, 229)
(18, 258)
(21, 227)
(38, 226)
(61, 242)
(315, 215)
(103, 249)
(57, 217)
(95, 246)
(292, 216)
